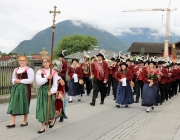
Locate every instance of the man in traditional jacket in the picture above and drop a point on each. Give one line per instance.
(63, 70)
(99, 71)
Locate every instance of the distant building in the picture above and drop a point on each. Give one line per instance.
(7, 60)
(153, 49)
(177, 44)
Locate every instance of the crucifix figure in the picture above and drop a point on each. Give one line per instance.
(44, 52)
(54, 12)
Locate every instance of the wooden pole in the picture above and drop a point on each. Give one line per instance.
(52, 49)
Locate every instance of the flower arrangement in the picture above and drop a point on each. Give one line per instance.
(152, 75)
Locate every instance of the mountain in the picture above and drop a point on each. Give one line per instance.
(105, 39)
(143, 35)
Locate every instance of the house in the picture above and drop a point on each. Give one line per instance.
(151, 48)
(177, 45)
(7, 60)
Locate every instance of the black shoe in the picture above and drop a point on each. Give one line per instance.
(118, 106)
(79, 100)
(22, 125)
(39, 132)
(152, 107)
(136, 101)
(87, 94)
(70, 101)
(61, 119)
(92, 104)
(51, 126)
(10, 126)
(160, 103)
(147, 111)
(126, 105)
(101, 103)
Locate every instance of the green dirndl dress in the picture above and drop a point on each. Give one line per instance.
(41, 106)
(19, 102)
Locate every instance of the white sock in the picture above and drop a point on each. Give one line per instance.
(70, 98)
(147, 109)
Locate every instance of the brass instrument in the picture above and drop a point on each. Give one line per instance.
(86, 64)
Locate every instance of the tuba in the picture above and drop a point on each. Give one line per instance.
(86, 68)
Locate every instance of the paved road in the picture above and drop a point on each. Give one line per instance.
(84, 122)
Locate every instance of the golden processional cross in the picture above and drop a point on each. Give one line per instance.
(44, 52)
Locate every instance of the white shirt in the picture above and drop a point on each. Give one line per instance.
(42, 81)
(30, 75)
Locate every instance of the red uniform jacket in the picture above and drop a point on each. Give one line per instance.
(174, 74)
(128, 76)
(145, 77)
(86, 75)
(97, 74)
(64, 69)
(77, 71)
(140, 76)
(164, 76)
(114, 70)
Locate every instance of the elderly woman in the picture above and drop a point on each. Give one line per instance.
(43, 78)
(124, 95)
(75, 73)
(20, 97)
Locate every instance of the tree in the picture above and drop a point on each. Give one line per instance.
(75, 43)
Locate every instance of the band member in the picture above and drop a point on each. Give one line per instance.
(60, 98)
(111, 67)
(124, 95)
(150, 87)
(43, 78)
(63, 69)
(174, 79)
(167, 85)
(114, 70)
(99, 71)
(22, 77)
(75, 83)
(138, 72)
(162, 81)
(86, 74)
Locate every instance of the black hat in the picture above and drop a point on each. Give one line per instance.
(128, 60)
(100, 54)
(75, 59)
(140, 61)
(136, 62)
(60, 55)
(123, 64)
(92, 57)
(117, 60)
(113, 59)
(160, 62)
(152, 62)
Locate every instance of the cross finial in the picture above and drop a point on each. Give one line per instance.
(44, 52)
(54, 12)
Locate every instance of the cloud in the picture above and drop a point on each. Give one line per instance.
(21, 20)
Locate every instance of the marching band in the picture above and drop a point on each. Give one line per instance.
(153, 80)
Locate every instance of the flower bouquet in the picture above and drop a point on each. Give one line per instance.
(152, 75)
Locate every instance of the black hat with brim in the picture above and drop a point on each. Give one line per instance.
(123, 64)
(100, 54)
(75, 59)
(136, 62)
(152, 62)
(160, 62)
(61, 55)
(113, 59)
(117, 60)
(141, 61)
(128, 60)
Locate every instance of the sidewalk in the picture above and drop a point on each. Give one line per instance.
(164, 126)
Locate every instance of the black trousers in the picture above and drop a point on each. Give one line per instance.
(167, 91)
(178, 85)
(110, 83)
(139, 88)
(98, 86)
(170, 90)
(66, 86)
(88, 83)
(162, 92)
(114, 87)
(174, 88)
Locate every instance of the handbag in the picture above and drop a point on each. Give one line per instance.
(131, 84)
(81, 82)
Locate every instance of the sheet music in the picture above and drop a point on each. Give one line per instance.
(123, 82)
(75, 76)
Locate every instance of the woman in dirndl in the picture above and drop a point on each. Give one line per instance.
(76, 83)
(20, 97)
(124, 95)
(60, 97)
(43, 78)
(150, 88)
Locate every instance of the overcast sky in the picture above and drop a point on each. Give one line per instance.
(22, 19)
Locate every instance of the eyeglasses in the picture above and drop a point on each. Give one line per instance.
(22, 60)
(45, 62)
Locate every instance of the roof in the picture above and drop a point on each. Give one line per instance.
(5, 58)
(79, 55)
(177, 42)
(36, 56)
(149, 47)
